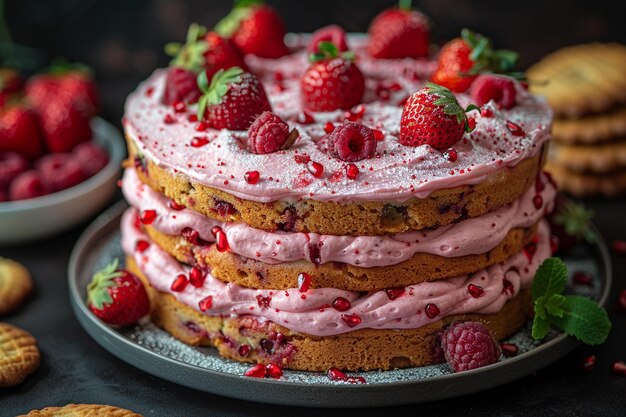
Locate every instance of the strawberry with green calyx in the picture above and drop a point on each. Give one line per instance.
(233, 100)
(432, 116)
(570, 222)
(399, 32)
(116, 296)
(462, 59)
(333, 81)
(331, 33)
(255, 28)
(577, 316)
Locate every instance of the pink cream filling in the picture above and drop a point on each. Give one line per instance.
(311, 312)
(468, 237)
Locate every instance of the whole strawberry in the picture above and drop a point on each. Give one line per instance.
(468, 345)
(255, 28)
(63, 125)
(331, 82)
(20, 132)
(399, 32)
(117, 297)
(462, 59)
(233, 99)
(432, 116)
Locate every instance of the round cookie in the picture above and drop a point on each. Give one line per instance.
(19, 356)
(364, 349)
(601, 158)
(374, 218)
(591, 129)
(581, 79)
(15, 285)
(587, 185)
(251, 273)
(82, 410)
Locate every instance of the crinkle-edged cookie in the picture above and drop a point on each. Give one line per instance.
(595, 159)
(587, 185)
(82, 410)
(591, 129)
(19, 356)
(15, 285)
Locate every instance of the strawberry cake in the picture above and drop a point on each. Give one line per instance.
(322, 204)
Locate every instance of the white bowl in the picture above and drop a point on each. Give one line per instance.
(40, 217)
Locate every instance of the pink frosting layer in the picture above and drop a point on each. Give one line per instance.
(472, 236)
(310, 312)
(396, 173)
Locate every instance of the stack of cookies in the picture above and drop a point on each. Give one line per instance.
(586, 87)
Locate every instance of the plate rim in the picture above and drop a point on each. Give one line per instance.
(93, 326)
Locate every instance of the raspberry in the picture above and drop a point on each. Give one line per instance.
(180, 85)
(60, 171)
(91, 157)
(332, 33)
(11, 165)
(498, 88)
(267, 134)
(352, 142)
(468, 345)
(28, 184)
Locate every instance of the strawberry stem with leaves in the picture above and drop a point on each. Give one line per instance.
(220, 84)
(447, 100)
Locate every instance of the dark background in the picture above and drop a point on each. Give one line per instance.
(122, 41)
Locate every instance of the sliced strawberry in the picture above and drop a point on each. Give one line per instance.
(331, 82)
(20, 132)
(331, 33)
(399, 32)
(233, 99)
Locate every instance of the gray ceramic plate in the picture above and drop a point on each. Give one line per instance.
(154, 351)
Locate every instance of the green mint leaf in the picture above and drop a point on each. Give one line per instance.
(541, 327)
(555, 304)
(584, 319)
(540, 307)
(550, 278)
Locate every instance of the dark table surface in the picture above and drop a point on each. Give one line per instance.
(75, 369)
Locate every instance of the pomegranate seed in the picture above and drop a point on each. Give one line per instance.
(175, 206)
(583, 278)
(304, 281)
(169, 119)
(431, 310)
(273, 370)
(251, 177)
(192, 118)
(351, 319)
(329, 127)
(197, 277)
(507, 286)
(199, 141)
(180, 283)
(515, 129)
(530, 251)
(539, 185)
(201, 127)
(352, 171)
(471, 123)
(316, 169)
(263, 302)
(221, 242)
(179, 106)
(486, 112)
(335, 374)
(538, 201)
(621, 302)
(393, 293)
(267, 345)
(586, 364)
(301, 159)
(618, 368)
(305, 118)
(141, 246)
(619, 247)
(355, 380)
(192, 236)
(243, 350)
(206, 303)
(356, 113)
(257, 371)
(450, 155)
(341, 304)
(509, 349)
(554, 244)
(378, 134)
(475, 291)
(148, 216)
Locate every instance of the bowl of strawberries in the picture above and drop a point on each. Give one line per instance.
(59, 163)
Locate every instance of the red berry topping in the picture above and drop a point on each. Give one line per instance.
(60, 171)
(180, 86)
(11, 165)
(450, 155)
(515, 129)
(352, 142)
(331, 82)
(233, 100)
(432, 116)
(335, 374)
(206, 303)
(341, 304)
(499, 88)
(304, 282)
(169, 119)
(269, 133)
(252, 177)
(507, 287)
(175, 206)
(243, 350)
(618, 368)
(378, 135)
(351, 320)
(180, 283)
(91, 157)
(329, 127)
(399, 32)
(26, 185)
(431, 310)
(117, 297)
(333, 34)
(393, 293)
(179, 106)
(475, 291)
(193, 236)
(147, 217)
(352, 171)
(257, 371)
(587, 363)
(315, 168)
(305, 118)
(486, 112)
(272, 370)
(509, 349)
(221, 242)
(141, 246)
(468, 345)
(199, 141)
(197, 277)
